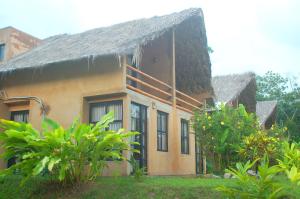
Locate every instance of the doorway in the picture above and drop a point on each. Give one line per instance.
(139, 124)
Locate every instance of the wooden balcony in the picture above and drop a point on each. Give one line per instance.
(149, 86)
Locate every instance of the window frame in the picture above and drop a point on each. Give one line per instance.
(2, 56)
(106, 104)
(23, 112)
(184, 137)
(160, 132)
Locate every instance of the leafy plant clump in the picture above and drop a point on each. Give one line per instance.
(137, 171)
(72, 155)
(264, 185)
(220, 133)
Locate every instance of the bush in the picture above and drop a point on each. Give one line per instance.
(72, 155)
(220, 133)
(264, 185)
(256, 145)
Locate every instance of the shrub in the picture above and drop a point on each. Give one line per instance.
(72, 155)
(290, 156)
(256, 145)
(221, 132)
(264, 185)
(137, 171)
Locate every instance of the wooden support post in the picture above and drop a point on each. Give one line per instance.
(173, 70)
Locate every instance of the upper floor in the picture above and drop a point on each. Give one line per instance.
(165, 58)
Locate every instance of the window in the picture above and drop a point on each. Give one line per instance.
(98, 110)
(185, 137)
(2, 51)
(162, 131)
(17, 116)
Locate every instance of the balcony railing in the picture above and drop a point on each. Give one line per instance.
(149, 86)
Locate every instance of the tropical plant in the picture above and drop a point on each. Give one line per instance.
(264, 185)
(290, 156)
(72, 155)
(256, 145)
(221, 132)
(293, 175)
(137, 171)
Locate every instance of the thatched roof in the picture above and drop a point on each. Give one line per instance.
(265, 109)
(120, 39)
(229, 87)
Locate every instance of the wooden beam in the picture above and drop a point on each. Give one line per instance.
(147, 94)
(148, 85)
(148, 76)
(184, 109)
(189, 104)
(173, 70)
(189, 97)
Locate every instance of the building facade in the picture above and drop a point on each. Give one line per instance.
(136, 69)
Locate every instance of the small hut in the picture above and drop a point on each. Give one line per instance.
(266, 113)
(236, 89)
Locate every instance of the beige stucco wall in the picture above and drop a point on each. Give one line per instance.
(171, 162)
(16, 42)
(63, 88)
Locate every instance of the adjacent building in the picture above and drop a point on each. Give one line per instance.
(14, 42)
(236, 89)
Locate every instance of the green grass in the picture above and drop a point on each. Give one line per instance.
(115, 188)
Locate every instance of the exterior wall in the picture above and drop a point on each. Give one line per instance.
(171, 162)
(64, 91)
(3, 114)
(157, 59)
(16, 42)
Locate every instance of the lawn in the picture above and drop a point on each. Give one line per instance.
(115, 188)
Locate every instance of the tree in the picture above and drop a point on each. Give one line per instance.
(286, 91)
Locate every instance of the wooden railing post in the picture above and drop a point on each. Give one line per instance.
(173, 70)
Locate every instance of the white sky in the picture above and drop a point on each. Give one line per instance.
(256, 35)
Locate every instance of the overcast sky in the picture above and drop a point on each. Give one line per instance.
(256, 35)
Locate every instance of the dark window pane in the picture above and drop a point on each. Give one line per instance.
(2, 51)
(184, 137)
(98, 110)
(162, 131)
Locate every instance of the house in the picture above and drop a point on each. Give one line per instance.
(266, 113)
(236, 89)
(14, 42)
(151, 72)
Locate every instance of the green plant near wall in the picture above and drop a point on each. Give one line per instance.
(72, 155)
(221, 132)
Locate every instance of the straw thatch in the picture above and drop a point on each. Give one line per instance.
(265, 111)
(236, 89)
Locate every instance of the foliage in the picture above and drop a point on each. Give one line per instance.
(256, 145)
(286, 91)
(137, 171)
(290, 156)
(222, 131)
(71, 155)
(265, 185)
